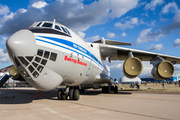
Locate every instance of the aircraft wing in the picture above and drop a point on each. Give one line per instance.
(121, 53)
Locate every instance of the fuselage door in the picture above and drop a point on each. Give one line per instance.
(89, 69)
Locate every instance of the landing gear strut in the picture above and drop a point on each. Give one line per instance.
(72, 92)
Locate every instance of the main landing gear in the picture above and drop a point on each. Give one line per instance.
(110, 89)
(72, 92)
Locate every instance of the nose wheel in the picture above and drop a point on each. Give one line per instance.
(72, 93)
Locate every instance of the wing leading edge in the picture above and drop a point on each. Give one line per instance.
(121, 53)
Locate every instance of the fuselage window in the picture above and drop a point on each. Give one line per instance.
(29, 58)
(35, 74)
(43, 62)
(37, 59)
(35, 64)
(24, 62)
(31, 69)
(40, 52)
(40, 68)
(46, 54)
(64, 29)
(47, 25)
(38, 24)
(57, 27)
(53, 56)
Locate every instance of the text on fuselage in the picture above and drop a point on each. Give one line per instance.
(66, 58)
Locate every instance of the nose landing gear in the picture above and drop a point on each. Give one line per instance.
(72, 93)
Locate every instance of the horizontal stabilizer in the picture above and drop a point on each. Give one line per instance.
(111, 42)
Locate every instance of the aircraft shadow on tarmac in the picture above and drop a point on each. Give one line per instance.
(97, 92)
(24, 96)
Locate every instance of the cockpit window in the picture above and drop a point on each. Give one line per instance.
(67, 31)
(64, 29)
(47, 25)
(38, 24)
(57, 27)
(50, 25)
(34, 24)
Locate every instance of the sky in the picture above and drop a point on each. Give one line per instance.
(150, 25)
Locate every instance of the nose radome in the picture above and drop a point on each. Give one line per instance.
(22, 43)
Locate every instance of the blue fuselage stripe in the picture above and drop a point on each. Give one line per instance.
(73, 45)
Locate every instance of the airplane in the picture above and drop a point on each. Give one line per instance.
(49, 54)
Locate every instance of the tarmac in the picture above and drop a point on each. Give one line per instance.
(93, 105)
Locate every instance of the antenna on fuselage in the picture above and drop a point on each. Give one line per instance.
(54, 23)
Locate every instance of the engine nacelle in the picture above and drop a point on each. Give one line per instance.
(162, 70)
(15, 74)
(132, 67)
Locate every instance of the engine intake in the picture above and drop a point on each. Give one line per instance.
(132, 67)
(162, 70)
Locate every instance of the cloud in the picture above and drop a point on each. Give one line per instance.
(155, 47)
(177, 70)
(4, 10)
(163, 31)
(153, 4)
(110, 35)
(153, 23)
(4, 40)
(39, 4)
(145, 14)
(127, 24)
(73, 14)
(142, 22)
(91, 39)
(170, 7)
(147, 67)
(176, 43)
(4, 58)
(123, 34)
(164, 19)
(143, 36)
(116, 65)
(81, 34)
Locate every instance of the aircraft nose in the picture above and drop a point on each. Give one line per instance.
(21, 43)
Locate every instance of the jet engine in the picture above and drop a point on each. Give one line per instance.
(132, 67)
(15, 74)
(162, 70)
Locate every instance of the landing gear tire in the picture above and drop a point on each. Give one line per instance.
(116, 89)
(71, 94)
(103, 89)
(76, 94)
(112, 88)
(63, 96)
(59, 94)
(107, 89)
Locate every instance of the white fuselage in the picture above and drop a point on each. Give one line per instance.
(56, 59)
